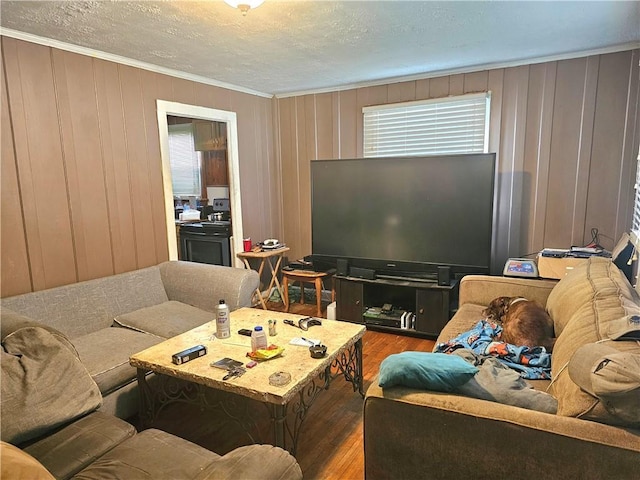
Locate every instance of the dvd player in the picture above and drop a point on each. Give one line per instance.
(383, 321)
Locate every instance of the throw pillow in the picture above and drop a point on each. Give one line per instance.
(166, 319)
(431, 371)
(44, 385)
(612, 377)
(19, 465)
(11, 321)
(625, 328)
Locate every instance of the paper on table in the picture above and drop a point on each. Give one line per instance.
(304, 342)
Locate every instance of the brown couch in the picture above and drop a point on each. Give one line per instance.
(411, 433)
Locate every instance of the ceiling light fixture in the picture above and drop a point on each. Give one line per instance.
(244, 5)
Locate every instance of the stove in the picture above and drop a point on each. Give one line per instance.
(209, 228)
(206, 242)
(221, 210)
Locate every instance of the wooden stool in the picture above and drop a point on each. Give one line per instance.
(305, 276)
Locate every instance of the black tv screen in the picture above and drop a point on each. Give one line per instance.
(404, 215)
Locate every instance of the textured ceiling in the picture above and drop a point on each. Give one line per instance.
(293, 46)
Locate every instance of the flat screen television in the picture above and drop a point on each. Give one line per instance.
(404, 216)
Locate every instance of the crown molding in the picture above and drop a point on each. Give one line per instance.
(337, 88)
(48, 42)
(462, 70)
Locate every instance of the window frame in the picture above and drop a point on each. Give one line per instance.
(635, 215)
(426, 111)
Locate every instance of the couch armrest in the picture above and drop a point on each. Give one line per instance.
(253, 461)
(75, 446)
(415, 434)
(203, 285)
(481, 289)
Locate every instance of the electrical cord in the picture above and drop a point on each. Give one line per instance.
(594, 243)
(595, 239)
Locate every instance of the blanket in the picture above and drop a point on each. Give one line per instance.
(496, 382)
(483, 340)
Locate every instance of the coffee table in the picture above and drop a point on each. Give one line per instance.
(197, 382)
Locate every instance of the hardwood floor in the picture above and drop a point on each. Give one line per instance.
(331, 442)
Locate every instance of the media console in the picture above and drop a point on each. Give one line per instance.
(361, 300)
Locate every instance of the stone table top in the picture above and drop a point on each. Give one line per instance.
(336, 335)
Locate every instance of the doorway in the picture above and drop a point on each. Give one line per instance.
(165, 108)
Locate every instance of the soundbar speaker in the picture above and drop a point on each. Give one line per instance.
(365, 273)
(444, 276)
(342, 267)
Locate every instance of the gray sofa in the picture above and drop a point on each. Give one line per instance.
(109, 319)
(415, 433)
(66, 375)
(51, 429)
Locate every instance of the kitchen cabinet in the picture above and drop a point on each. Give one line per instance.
(214, 168)
(208, 135)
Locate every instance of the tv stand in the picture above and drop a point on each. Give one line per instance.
(432, 304)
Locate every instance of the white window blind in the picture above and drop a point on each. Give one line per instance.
(449, 125)
(635, 223)
(185, 161)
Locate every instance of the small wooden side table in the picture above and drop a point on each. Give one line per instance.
(307, 276)
(266, 257)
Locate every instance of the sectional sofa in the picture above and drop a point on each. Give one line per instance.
(66, 378)
(108, 319)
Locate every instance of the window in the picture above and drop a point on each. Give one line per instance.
(635, 221)
(185, 161)
(449, 125)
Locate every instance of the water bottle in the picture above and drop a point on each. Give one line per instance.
(258, 339)
(223, 327)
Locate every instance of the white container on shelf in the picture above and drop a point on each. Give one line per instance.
(331, 311)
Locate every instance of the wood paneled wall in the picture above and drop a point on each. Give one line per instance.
(81, 179)
(566, 136)
(81, 171)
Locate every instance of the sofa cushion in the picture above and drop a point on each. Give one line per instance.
(625, 328)
(44, 385)
(85, 307)
(106, 353)
(150, 455)
(11, 321)
(429, 371)
(18, 465)
(597, 277)
(74, 447)
(611, 377)
(607, 297)
(166, 319)
(467, 316)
